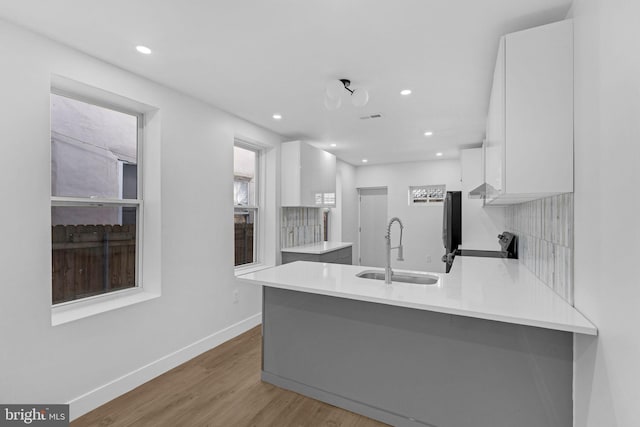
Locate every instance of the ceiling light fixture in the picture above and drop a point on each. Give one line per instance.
(439, 154)
(364, 160)
(334, 145)
(143, 49)
(428, 133)
(335, 89)
(405, 92)
(277, 116)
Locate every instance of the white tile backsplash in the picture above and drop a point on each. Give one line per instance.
(545, 240)
(301, 226)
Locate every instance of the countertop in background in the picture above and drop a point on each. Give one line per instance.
(318, 248)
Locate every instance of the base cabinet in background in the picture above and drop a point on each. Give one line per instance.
(339, 256)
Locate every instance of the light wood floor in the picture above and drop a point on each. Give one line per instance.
(221, 387)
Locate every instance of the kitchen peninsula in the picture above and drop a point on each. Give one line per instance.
(487, 345)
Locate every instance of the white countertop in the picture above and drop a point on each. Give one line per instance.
(318, 248)
(485, 288)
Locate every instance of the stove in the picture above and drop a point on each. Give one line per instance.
(508, 244)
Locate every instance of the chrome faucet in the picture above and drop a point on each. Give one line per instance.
(388, 273)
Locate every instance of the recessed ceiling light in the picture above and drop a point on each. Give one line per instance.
(439, 154)
(405, 92)
(428, 133)
(364, 160)
(334, 145)
(277, 116)
(143, 49)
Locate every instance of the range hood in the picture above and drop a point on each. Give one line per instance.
(481, 191)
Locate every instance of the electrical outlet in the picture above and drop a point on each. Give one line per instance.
(236, 296)
(428, 259)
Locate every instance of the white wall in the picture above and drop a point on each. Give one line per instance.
(344, 217)
(422, 236)
(57, 364)
(607, 202)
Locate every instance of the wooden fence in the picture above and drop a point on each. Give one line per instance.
(92, 259)
(243, 243)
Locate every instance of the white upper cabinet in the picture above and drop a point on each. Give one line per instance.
(308, 176)
(494, 146)
(529, 143)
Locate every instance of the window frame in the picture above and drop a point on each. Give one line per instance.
(258, 211)
(138, 202)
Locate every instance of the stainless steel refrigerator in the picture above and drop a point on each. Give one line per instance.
(451, 226)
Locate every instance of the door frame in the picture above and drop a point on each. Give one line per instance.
(359, 189)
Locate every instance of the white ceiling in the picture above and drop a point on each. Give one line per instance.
(254, 58)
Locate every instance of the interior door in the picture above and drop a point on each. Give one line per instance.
(372, 226)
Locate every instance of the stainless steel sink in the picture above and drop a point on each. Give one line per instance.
(415, 278)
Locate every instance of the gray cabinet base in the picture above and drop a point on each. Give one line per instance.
(414, 368)
(339, 256)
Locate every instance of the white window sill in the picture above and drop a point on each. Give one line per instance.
(75, 310)
(239, 271)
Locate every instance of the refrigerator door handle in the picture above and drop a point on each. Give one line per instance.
(444, 222)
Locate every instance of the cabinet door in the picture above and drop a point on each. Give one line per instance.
(317, 176)
(290, 173)
(539, 110)
(308, 175)
(495, 143)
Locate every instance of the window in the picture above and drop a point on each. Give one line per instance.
(245, 200)
(427, 195)
(96, 199)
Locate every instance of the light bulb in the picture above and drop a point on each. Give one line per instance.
(334, 89)
(143, 49)
(332, 103)
(360, 97)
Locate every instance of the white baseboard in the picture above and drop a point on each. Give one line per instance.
(103, 394)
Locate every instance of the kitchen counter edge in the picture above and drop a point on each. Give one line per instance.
(318, 248)
(492, 289)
